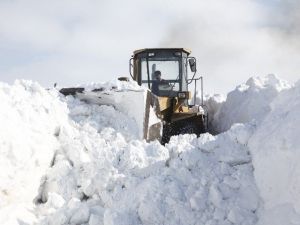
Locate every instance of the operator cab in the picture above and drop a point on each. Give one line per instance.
(172, 63)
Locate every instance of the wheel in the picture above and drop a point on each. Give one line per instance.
(192, 125)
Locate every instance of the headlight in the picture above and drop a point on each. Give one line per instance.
(181, 95)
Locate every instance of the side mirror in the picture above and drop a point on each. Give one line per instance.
(192, 63)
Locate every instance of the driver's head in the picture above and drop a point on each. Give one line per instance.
(157, 75)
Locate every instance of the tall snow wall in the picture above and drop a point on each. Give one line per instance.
(30, 119)
(275, 149)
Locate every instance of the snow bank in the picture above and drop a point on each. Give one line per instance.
(249, 101)
(64, 161)
(38, 127)
(275, 147)
(30, 117)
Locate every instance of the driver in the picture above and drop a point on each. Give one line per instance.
(158, 81)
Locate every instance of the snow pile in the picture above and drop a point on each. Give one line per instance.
(30, 117)
(275, 147)
(128, 98)
(247, 102)
(102, 117)
(34, 123)
(71, 162)
(102, 179)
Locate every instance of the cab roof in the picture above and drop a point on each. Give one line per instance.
(161, 49)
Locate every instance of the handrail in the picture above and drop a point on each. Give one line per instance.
(195, 80)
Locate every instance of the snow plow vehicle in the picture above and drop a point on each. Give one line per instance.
(164, 73)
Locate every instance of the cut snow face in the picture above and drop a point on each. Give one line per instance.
(30, 118)
(275, 147)
(213, 104)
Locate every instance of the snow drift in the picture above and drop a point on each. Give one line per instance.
(64, 161)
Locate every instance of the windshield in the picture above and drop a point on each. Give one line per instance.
(168, 79)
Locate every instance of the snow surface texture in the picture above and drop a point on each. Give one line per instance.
(67, 162)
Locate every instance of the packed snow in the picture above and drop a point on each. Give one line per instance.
(67, 161)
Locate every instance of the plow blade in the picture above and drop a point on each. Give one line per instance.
(136, 104)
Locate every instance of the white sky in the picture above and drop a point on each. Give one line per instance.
(81, 41)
